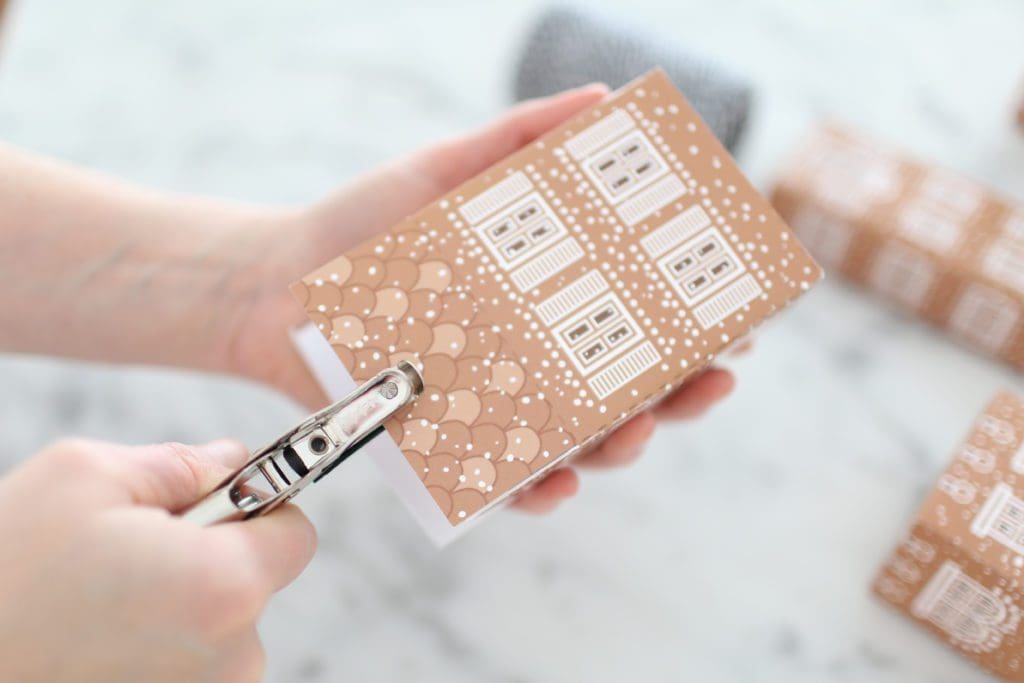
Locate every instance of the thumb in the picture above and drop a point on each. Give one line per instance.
(173, 475)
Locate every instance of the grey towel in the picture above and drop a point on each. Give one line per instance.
(569, 47)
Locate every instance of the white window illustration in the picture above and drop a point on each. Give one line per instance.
(521, 231)
(709, 276)
(975, 617)
(498, 196)
(903, 273)
(936, 216)
(984, 317)
(593, 327)
(920, 550)
(827, 237)
(621, 162)
(1000, 431)
(905, 569)
(930, 226)
(701, 266)
(855, 178)
(980, 459)
(891, 588)
(960, 490)
(654, 198)
(624, 167)
(1004, 262)
(961, 195)
(598, 333)
(1001, 518)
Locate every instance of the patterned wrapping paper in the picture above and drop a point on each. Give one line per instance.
(559, 292)
(927, 239)
(960, 571)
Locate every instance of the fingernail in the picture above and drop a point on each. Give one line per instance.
(227, 452)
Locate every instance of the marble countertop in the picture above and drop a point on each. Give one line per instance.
(748, 555)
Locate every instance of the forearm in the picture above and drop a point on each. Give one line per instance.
(94, 268)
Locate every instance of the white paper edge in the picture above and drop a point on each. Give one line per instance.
(332, 376)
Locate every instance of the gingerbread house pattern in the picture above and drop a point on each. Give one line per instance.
(961, 569)
(559, 292)
(926, 238)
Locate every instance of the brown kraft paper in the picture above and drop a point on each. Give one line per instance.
(958, 572)
(927, 239)
(559, 292)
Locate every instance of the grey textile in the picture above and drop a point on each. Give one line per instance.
(569, 47)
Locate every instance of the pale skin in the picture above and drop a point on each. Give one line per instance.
(97, 269)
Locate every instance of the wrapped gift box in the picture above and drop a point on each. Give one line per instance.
(553, 296)
(925, 238)
(960, 569)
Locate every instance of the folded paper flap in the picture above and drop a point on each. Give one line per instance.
(559, 291)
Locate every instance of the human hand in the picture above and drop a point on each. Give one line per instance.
(98, 583)
(293, 244)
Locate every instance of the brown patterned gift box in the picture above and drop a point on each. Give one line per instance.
(960, 570)
(559, 292)
(925, 238)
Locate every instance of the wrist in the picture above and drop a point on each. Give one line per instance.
(255, 313)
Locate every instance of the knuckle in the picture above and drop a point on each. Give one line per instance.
(250, 592)
(241, 591)
(75, 455)
(256, 659)
(246, 664)
(225, 597)
(224, 609)
(184, 458)
(233, 582)
(305, 533)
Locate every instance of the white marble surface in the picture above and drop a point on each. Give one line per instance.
(749, 553)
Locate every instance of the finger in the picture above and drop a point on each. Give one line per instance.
(240, 659)
(696, 396)
(173, 475)
(280, 544)
(169, 475)
(622, 446)
(545, 495)
(452, 162)
(740, 348)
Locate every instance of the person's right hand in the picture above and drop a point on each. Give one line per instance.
(98, 582)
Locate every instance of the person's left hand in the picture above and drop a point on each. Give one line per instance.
(287, 246)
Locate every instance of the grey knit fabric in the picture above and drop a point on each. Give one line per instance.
(571, 46)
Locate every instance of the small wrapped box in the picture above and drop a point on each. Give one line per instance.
(959, 570)
(552, 297)
(925, 238)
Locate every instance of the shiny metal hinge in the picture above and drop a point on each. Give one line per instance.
(311, 450)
